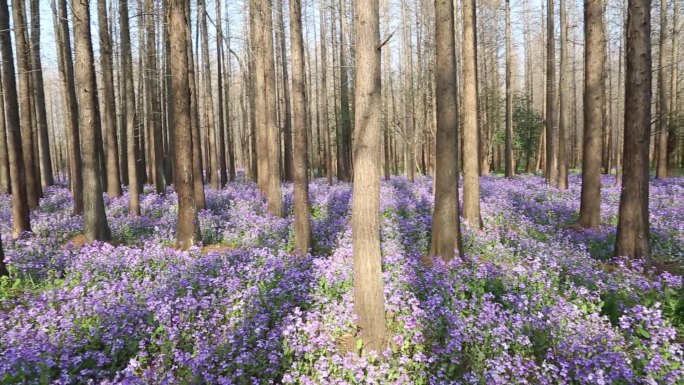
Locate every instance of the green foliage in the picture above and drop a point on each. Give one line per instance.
(527, 125)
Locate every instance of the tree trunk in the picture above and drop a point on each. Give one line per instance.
(212, 170)
(197, 166)
(95, 226)
(446, 234)
(154, 120)
(269, 172)
(26, 117)
(323, 98)
(46, 177)
(187, 228)
(109, 110)
(594, 43)
(633, 223)
(471, 180)
(369, 301)
(221, 127)
(20, 207)
(5, 186)
(302, 210)
(287, 126)
(663, 115)
(672, 129)
(551, 118)
(344, 131)
(128, 90)
(564, 97)
(508, 153)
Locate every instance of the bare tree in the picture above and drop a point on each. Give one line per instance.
(24, 90)
(323, 90)
(152, 87)
(187, 229)
(128, 91)
(369, 300)
(301, 128)
(551, 117)
(94, 219)
(594, 64)
(633, 222)
(109, 107)
(446, 234)
(5, 184)
(663, 116)
(20, 207)
(508, 153)
(471, 180)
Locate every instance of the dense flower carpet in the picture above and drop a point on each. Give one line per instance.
(535, 300)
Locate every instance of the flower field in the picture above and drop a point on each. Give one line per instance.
(535, 300)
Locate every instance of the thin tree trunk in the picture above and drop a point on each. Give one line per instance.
(508, 153)
(154, 119)
(471, 180)
(128, 90)
(46, 177)
(663, 115)
(633, 223)
(446, 235)
(95, 227)
(369, 303)
(551, 118)
(672, 129)
(323, 91)
(20, 208)
(564, 122)
(109, 110)
(5, 184)
(302, 209)
(594, 64)
(187, 229)
(197, 166)
(344, 131)
(287, 118)
(24, 90)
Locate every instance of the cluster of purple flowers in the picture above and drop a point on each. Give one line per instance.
(533, 301)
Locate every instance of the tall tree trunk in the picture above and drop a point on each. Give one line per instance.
(663, 115)
(408, 94)
(94, 218)
(369, 301)
(187, 228)
(221, 126)
(287, 118)
(446, 234)
(26, 117)
(301, 181)
(594, 64)
(471, 179)
(323, 91)
(109, 110)
(564, 122)
(344, 131)
(154, 120)
(212, 170)
(508, 153)
(633, 223)
(551, 118)
(5, 184)
(128, 90)
(672, 129)
(269, 171)
(197, 166)
(46, 178)
(20, 208)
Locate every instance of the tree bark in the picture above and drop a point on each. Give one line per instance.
(344, 131)
(663, 115)
(594, 43)
(128, 90)
(369, 301)
(446, 234)
(633, 223)
(20, 207)
(187, 228)
(5, 184)
(672, 130)
(471, 179)
(26, 117)
(212, 170)
(154, 120)
(551, 118)
(197, 166)
(508, 153)
(109, 110)
(95, 226)
(287, 118)
(323, 98)
(46, 177)
(564, 122)
(302, 209)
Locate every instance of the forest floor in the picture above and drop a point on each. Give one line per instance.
(537, 302)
